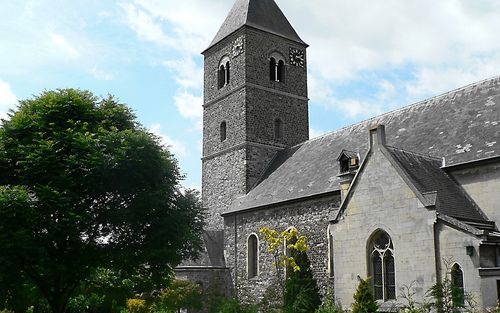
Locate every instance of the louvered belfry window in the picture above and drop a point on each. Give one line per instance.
(382, 267)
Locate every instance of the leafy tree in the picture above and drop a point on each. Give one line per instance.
(282, 258)
(364, 301)
(82, 186)
(181, 294)
(301, 289)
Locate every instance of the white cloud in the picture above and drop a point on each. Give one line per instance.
(313, 132)
(7, 98)
(187, 73)
(176, 147)
(145, 26)
(100, 74)
(61, 44)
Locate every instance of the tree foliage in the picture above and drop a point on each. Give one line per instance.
(181, 294)
(301, 289)
(83, 185)
(364, 301)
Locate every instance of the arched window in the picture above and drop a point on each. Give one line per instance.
(382, 269)
(252, 256)
(223, 131)
(457, 285)
(278, 129)
(330, 252)
(223, 72)
(276, 68)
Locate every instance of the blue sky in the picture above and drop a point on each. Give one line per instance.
(366, 57)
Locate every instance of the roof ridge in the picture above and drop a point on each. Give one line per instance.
(406, 107)
(415, 153)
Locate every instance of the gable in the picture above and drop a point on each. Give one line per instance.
(378, 187)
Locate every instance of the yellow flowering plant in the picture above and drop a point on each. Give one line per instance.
(280, 246)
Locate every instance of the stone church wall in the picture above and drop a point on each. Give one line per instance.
(310, 217)
(482, 183)
(217, 190)
(452, 246)
(382, 200)
(264, 107)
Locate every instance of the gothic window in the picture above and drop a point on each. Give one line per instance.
(278, 129)
(276, 68)
(252, 256)
(223, 131)
(457, 284)
(382, 269)
(330, 253)
(223, 72)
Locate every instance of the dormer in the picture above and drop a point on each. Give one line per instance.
(348, 162)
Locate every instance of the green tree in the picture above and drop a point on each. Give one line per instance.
(83, 185)
(364, 301)
(181, 294)
(301, 289)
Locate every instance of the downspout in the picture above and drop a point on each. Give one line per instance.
(235, 259)
(437, 250)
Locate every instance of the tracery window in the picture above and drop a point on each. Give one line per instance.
(252, 256)
(457, 284)
(382, 269)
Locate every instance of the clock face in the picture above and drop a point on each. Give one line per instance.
(297, 57)
(238, 46)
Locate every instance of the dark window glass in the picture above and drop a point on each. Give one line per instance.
(272, 69)
(227, 73)
(252, 256)
(280, 73)
(222, 76)
(223, 131)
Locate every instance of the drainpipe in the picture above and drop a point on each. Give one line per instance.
(235, 259)
(437, 253)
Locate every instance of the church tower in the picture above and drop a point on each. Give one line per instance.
(255, 101)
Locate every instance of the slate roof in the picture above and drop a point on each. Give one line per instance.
(426, 175)
(462, 126)
(261, 14)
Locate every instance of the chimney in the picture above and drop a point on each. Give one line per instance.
(377, 135)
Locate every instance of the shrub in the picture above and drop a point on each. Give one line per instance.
(233, 306)
(181, 294)
(330, 306)
(137, 306)
(363, 298)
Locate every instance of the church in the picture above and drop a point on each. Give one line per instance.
(405, 198)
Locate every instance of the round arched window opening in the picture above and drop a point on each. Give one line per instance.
(382, 268)
(253, 256)
(223, 72)
(276, 68)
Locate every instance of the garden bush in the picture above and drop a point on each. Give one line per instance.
(364, 301)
